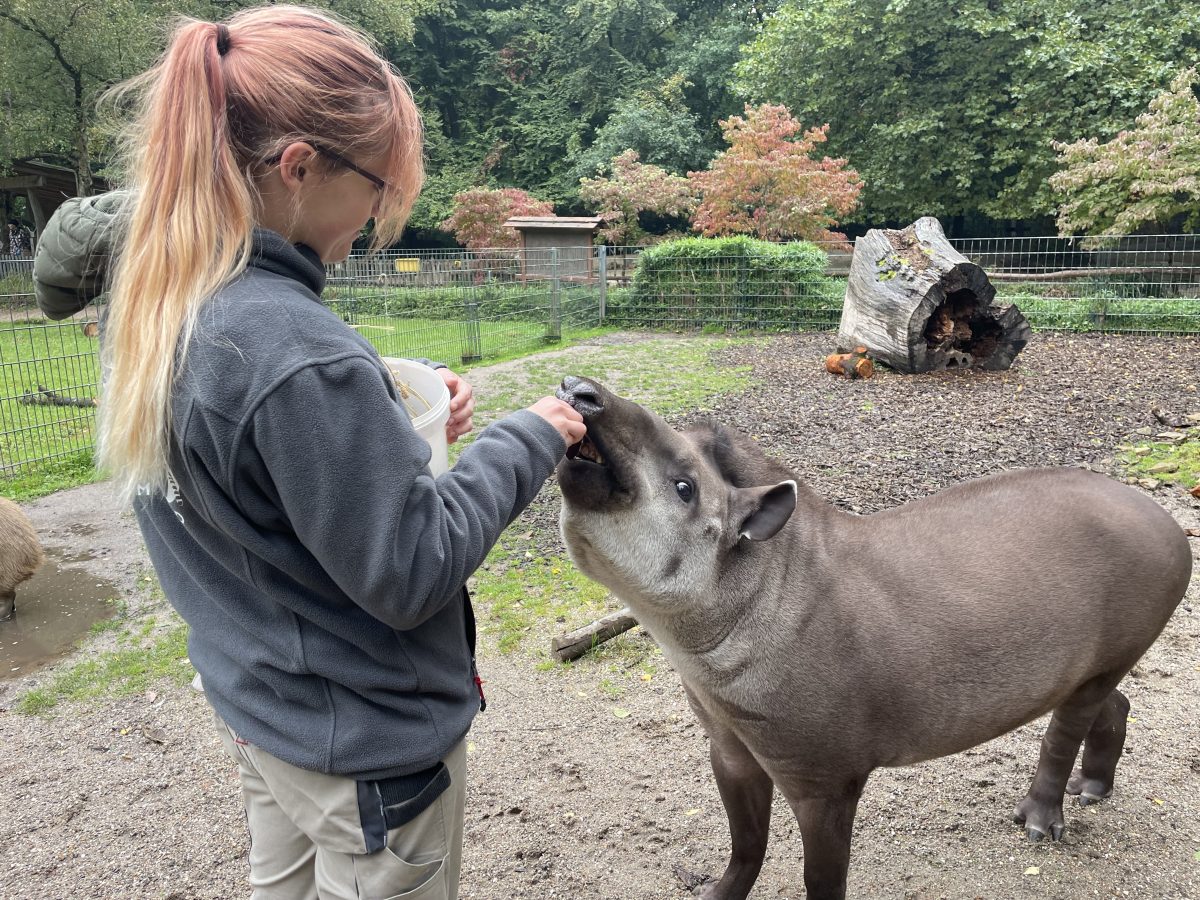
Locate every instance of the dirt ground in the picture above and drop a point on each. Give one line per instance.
(567, 798)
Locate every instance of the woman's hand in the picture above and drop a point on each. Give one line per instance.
(462, 405)
(563, 417)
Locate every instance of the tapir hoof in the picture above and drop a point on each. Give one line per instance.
(1039, 820)
(1036, 835)
(1088, 790)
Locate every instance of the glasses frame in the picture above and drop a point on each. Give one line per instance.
(353, 167)
(336, 157)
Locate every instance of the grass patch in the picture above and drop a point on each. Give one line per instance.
(50, 476)
(520, 591)
(1182, 460)
(147, 652)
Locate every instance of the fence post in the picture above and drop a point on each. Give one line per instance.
(472, 343)
(602, 274)
(554, 330)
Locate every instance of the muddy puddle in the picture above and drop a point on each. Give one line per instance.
(55, 608)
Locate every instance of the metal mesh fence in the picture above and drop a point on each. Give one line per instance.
(49, 377)
(461, 306)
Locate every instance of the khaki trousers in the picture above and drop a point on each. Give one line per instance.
(307, 840)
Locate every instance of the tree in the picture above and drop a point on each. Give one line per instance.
(657, 125)
(480, 213)
(632, 189)
(1148, 174)
(956, 112)
(768, 185)
(58, 56)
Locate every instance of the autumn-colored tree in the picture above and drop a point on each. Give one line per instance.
(479, 215)
(1150, 173)
(768, 185)
(634, 188)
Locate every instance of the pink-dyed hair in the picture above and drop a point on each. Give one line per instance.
(206, 124)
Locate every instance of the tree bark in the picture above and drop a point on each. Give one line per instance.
(918, 305)
(574, 644)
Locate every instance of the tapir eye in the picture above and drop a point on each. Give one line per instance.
(685, 490)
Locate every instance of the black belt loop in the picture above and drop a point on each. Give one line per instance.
(370, 814)
(469, 618)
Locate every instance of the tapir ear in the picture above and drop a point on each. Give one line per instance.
(759, 512)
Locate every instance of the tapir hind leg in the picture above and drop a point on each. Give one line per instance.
(1093, 781)
(1041, 810)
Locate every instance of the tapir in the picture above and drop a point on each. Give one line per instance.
(815, 645)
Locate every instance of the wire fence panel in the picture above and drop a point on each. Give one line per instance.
(1141, 284)
(460, 306)
(49, 377)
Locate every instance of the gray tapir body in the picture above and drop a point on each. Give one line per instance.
(815, 645)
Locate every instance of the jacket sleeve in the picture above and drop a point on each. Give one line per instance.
(349, 471)
(71, 263)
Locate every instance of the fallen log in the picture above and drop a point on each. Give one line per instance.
(574, 644)
(45, 397)
(922, 306)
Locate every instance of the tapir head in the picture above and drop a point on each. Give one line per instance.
(658, 513)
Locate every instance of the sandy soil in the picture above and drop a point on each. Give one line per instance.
(134, 797)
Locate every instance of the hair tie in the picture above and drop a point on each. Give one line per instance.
(222, 39)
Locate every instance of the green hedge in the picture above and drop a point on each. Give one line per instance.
(526, 302)
(733, 283)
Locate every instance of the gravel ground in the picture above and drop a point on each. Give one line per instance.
(568, 799)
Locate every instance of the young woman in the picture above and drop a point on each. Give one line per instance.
(281, 489)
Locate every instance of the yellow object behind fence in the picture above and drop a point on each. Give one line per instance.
(408, 264)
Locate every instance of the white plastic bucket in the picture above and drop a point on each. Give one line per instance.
(428, 403)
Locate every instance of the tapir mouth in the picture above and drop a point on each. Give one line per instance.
(586, 451)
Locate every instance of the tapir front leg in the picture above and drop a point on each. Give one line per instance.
(746, 791)
(826, 825)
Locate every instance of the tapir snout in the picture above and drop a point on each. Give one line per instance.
(816, 646)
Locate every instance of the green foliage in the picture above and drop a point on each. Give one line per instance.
(537, 95)
(959, 105)
(739, 282)
(1148, 174)
(56, 59)
(656, 125)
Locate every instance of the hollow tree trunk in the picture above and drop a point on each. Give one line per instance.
(918, 305)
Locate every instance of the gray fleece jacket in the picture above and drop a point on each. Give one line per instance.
(319, 564)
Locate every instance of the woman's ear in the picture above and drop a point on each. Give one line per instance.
(295, 164)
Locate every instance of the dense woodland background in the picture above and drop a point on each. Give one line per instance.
(950, 108)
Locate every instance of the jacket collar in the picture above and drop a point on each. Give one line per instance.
(274, 253)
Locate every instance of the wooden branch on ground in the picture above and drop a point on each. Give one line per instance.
(574, 644)
(46, 397)
(1071, 274)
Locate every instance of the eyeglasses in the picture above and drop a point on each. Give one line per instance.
(342, 161)
(336, 157)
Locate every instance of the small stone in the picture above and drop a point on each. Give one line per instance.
(1163, 468)
(1194, 418)
(1146, 430)
(1173, 437)
(1148, 483)
(1142, 451)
